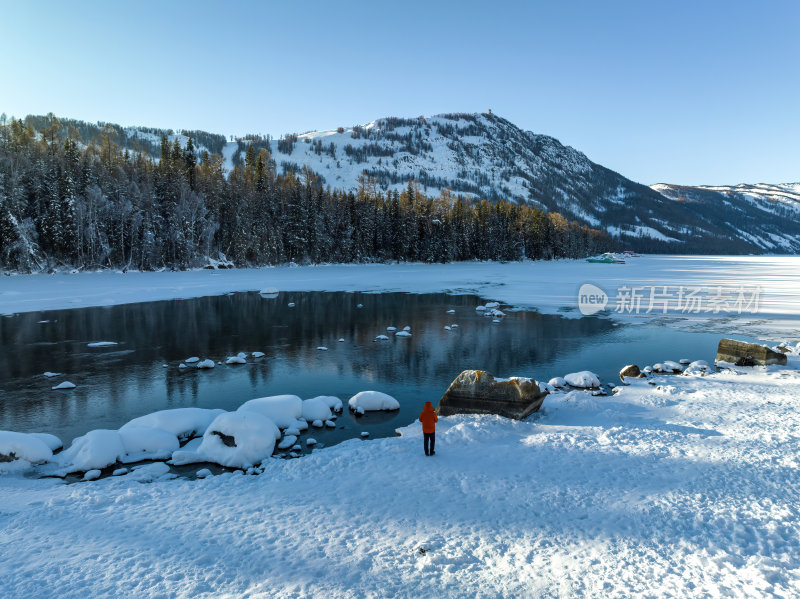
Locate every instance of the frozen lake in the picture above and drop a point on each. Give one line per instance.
(116, 383)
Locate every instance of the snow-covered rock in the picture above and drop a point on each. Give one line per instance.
(364, 434)
(291, 304)
(192, 360)
(311, 441)
(557, 382)
(446, 328)
(242, 354)
(402, 334)
(700, 367)
(258, 354)
(239, 439)
(371, 401)
(322, 348)
(182, 366)
(120, 472)
(235, 360)
(208, 363)
(451, 311)
(317, 424)
(584, 379)
(23, 446)
(94, 450)
(92, 475)
(283, 410)
(407, 328)
(64, 385)
(381, 338)
(391, 329)
(316, 408)
(51, 441)
(203, 473)
(287, 442)
(149, 472)
(330, 424)
(146, 443)
(182, 423)
(52, 374)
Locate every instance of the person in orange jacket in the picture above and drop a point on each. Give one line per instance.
(428, 418)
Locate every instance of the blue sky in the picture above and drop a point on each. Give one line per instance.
(679, 92)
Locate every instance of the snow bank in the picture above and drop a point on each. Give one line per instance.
(283, 410)
(371, 401)
(239, 439)
(584, 379)
(94, 450)
(22, 446)
(181, 422)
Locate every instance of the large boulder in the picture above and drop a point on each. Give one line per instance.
(747, 354)
(478, 392)
(630, 371)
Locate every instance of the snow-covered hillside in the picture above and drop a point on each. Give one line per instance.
(765, 215)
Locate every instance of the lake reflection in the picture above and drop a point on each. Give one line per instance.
(117, 383)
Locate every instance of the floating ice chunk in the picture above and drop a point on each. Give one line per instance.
(92, 475)
(182, 423)
(64, 385)
(330, 424)
(283, 410)
(451, 311)
(584, 379)
(317, 424)
(402, 334)
(51, 374)
(316, 409)
(391, 329)
(144, 443)
(96, 449)
(239, 439)
(102, 344)
(291, 304)
(369, 401)
(287, 442)
(340, 340)
(311, 441)
(322, 348)
(202, 473)
(495, 320)
(22, 446)
(192, 360)
(205, 364)
(258, 354)
(235, 360)
(381, 338)
(557, 382)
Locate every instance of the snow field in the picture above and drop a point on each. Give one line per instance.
(692, 493)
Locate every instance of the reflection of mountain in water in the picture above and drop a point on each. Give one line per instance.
(128, 379)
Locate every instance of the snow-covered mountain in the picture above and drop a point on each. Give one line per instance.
(764, 215)
(486, 157)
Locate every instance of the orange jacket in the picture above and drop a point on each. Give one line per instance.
(428, 418)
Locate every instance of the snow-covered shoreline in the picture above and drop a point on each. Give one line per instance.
(684, 488)
(548, 286)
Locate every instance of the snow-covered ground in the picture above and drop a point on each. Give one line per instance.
(686, 488)
(547, 286)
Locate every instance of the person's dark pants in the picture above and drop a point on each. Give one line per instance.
(430, 438)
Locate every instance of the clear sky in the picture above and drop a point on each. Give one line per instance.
(672, 91)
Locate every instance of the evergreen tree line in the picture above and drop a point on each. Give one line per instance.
(66, 204)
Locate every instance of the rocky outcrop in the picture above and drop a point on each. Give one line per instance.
(478, 392)
(630, 371)
(747, 354)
